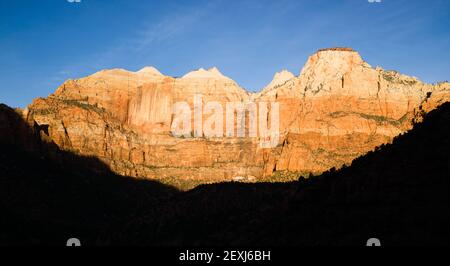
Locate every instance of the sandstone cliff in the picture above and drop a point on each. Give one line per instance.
(337, 109)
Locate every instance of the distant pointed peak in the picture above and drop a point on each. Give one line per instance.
(150, 70)
(280, 78)
(283, 75)
(214, 70)
(212, 73)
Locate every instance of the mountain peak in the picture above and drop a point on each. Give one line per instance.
(212, 73)
(283, 76)
(332, 62)
(150, 70)
(280, 78)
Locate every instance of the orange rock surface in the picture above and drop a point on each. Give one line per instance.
(337, 109)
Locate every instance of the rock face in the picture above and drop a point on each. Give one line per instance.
(337, 109)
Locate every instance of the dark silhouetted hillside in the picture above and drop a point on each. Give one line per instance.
(48, 196)
(399, 193)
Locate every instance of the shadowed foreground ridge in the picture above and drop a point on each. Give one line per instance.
(398, 193)
(48, 196)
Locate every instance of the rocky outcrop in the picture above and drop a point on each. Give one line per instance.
(337, 109)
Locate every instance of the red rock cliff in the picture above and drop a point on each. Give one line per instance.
(337, 109)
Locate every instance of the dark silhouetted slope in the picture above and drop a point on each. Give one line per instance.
(48, 196)
(398, 193)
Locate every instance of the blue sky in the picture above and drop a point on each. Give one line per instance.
(43, 43)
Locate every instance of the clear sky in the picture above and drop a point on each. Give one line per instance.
(44, 42)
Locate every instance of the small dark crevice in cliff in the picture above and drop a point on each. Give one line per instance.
(41, 128)
(66, 134)
(427, 97)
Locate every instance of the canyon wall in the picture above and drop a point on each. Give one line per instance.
(337, 109)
